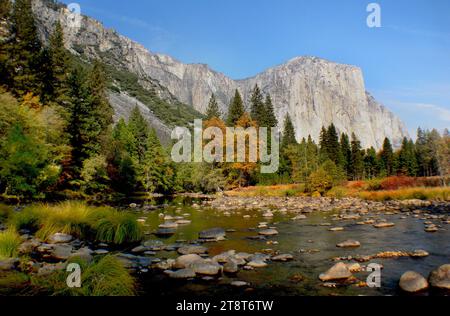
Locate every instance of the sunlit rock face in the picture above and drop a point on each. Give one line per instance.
(313, 91)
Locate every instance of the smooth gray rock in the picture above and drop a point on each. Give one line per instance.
(182, 274)
(213, 234)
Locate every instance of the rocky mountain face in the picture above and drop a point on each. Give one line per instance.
(313, 91)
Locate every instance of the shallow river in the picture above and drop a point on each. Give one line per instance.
(295, 236)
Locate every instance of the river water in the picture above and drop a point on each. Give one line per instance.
(312, 245)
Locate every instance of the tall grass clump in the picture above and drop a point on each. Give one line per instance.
(28, 218)
(103, 277)
(80, 220)
(67, 218)
(118, 228)
(9, 243)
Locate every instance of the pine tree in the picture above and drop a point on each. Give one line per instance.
(270, 118)
(5, 12)
(5, 9)
(24, 51)
(89, 114)
(157, 174)
(407, 162)
(213, 110)
(60, 66)
(323, 144)
(357, 159)
(346, 151)
(257, 107)
(370, 163)
(288, 133)
(333, 147)
(387, 158)
(140, 130)
(236, 110)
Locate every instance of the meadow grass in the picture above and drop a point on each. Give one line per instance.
(80, 220)
(269, 191)
(9, 244)
(441, 194)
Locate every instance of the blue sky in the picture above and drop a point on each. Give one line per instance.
(406, 62)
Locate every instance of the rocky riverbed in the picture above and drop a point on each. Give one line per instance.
(274, 246)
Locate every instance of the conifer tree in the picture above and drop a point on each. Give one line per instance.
(346, 151)
(333, 147)
(288, 133)
(370, 163)
(60, 66)
(157, 174)
(213, 110)
(270, 118)
(140, 130)
(407, 162)
(387, 158)
(257, 107)
(357, 159)
(24, 50)
(236, 110)
(5, 11)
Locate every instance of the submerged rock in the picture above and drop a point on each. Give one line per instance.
(182, 274)
(213, 234)
(283, 257)
(239, 284)
(188, 250)
(413, 282)
(384, 225)
(268, 232)
(349, 244)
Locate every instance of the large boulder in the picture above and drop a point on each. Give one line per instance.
(339, 271)
(440, 278)
(413, 282)
(182, 274)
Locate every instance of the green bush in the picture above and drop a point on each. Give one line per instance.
(319, 181)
